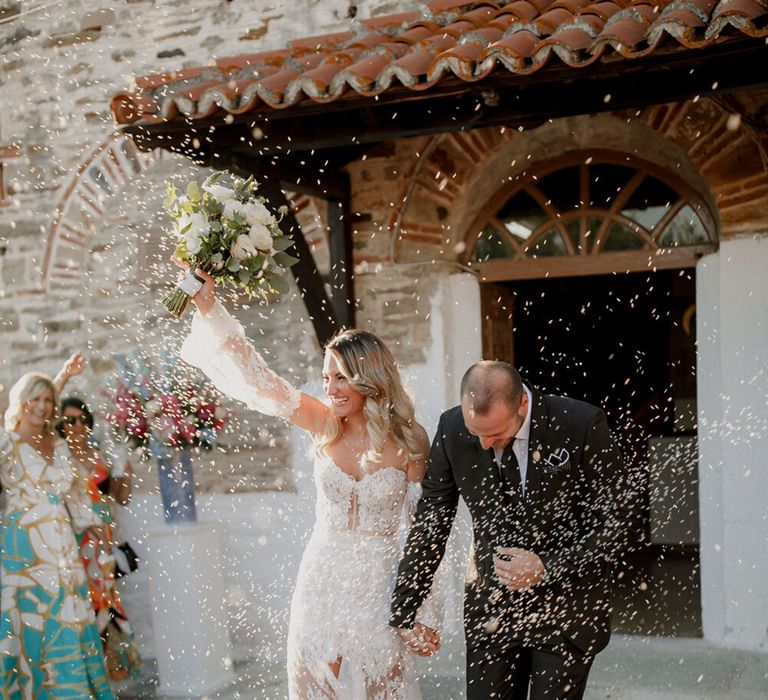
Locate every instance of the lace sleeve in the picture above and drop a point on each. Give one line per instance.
(432, 610)
(218, 345)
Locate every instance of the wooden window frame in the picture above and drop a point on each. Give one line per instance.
(585, 260)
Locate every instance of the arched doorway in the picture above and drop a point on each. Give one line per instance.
(587, 265)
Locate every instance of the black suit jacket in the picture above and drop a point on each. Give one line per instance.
(574, 515)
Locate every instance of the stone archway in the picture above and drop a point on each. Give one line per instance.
(101, 175)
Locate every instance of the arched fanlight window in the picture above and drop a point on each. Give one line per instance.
(592, 205)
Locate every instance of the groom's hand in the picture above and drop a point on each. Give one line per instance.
(517, 568)
(420, 639)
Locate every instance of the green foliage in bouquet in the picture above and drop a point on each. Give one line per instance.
(230, 233)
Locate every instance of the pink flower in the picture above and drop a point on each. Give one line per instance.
(188, 429)
(206, 411)
(171, 404)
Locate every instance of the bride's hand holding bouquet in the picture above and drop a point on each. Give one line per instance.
(205, 298)
(228, 233)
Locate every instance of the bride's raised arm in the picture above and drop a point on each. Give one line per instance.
(217, 344)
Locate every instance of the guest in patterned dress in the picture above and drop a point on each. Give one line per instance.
(49, 645)
(101, 483)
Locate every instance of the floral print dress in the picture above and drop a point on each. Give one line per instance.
(120, 650)
(49, 645)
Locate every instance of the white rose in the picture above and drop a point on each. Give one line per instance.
(194, 243)
(261, 236)
(256, 213)
(221, 193)
(232, 207)
(195, 223)
(243, 248)
(183, 221)
(196, 226)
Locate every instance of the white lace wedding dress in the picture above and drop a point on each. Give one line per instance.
(340, 606)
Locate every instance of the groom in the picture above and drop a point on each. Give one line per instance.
(546, 489)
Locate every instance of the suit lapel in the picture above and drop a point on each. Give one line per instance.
(536, 442)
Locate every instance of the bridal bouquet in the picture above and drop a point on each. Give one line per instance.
(230, 233)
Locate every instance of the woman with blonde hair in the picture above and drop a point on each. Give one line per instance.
(370, 460)
(49, 645)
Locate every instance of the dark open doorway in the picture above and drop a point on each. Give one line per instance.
(626, 343)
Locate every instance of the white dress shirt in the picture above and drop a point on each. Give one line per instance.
(520, 444)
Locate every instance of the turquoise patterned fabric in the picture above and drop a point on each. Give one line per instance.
(50, 648)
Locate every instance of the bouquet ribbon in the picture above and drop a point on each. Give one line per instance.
(191, 284)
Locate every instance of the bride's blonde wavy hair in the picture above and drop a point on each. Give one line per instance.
(370, 369)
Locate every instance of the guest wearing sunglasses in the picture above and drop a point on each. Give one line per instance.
(101, 481)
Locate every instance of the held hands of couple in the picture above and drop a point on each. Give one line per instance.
(420, 639)
(206, 297)
(518, 569)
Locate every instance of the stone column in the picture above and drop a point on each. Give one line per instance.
(732, 335)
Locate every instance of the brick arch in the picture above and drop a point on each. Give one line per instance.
(729, 154)
(723, 161)
(101, 177)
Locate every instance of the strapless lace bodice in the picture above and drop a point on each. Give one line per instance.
(371, 505)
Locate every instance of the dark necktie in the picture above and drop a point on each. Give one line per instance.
(510, 472)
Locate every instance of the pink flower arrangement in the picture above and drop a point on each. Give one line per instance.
(174, 414)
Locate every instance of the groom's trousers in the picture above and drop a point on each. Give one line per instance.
(554, 671)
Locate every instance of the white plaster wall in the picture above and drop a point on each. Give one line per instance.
(732, 332)
(455, 326)
(712, 557)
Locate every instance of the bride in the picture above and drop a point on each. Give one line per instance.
(370, 460)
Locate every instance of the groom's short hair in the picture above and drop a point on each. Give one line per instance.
(488, 382)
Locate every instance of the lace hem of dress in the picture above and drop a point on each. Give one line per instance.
(314, 677)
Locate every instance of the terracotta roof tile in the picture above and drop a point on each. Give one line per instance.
(442, 5)
(389, 21)
(746, 16)
(551, 20)
(322, 41)
(522, 10)
(464, 39)
(572, 6)
(416, 34)
(604, 10)
(521, 44)
(626, 31)
(481, 15)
